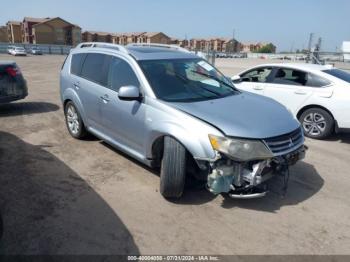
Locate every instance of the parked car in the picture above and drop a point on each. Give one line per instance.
(12, 84)
(317, 95)
(9, 48)
(18, 51)
(169, 108)
(36, 51)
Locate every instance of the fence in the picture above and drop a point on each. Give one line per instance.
(46, 49)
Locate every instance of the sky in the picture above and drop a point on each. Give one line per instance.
(286, 23)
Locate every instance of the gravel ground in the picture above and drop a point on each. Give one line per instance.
(59, 195)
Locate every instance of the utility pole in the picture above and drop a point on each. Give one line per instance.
(233, 40)
(309, 47)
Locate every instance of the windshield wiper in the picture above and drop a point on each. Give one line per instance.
(216, 79)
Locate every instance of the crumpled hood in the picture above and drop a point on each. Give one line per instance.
(244, 115)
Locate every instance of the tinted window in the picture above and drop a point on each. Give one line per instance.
(316, 81)
(288, 76)
(260, 75)
(77, 61)
(121, 74)
(339, 74)
(96, 67)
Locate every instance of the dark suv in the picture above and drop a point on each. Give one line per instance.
(12, 84)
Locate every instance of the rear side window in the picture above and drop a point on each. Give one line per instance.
(121, 74)
(317, 81)
(96, 67)
(286, 76)
(76, 64)
(259, 75)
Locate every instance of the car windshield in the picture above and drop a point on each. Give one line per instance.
(339, 74)
(186, 80)
(20, 48)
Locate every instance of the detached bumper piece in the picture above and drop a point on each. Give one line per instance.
(245, 180)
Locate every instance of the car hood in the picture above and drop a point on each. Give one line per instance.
(244, 115)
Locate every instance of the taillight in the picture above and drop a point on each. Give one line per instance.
(13, 71)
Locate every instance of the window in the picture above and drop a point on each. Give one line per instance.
(317, 81)
(95, 68)
(288, 76)
(339, 74)
(77, 62)
(121, 74)
(260, 75)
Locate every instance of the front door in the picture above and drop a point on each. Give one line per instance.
(124, 121)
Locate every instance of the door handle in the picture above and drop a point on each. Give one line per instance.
(300, 92)
(258, 88)
(105, 98)
(77, 85)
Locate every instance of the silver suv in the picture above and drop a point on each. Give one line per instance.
(168, 108)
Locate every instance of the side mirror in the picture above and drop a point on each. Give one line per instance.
(129, 93)
(236, 79)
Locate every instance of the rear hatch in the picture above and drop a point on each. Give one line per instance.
(12, 83)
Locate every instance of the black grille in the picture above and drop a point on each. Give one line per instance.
(285, 143)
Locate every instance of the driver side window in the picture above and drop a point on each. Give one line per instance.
(121, 74)
(258, 75)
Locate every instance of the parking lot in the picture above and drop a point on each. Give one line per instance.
(59, 195)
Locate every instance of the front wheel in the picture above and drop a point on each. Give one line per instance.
(173, 169)
(317, 123)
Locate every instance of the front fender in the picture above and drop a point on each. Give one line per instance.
(195, 141)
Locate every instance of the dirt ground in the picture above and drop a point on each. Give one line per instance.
(59, 195)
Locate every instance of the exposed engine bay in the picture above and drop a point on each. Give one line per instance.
(241, 179)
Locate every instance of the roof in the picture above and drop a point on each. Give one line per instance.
(54, 18)
(154, 53)
(14, 22)
(301, 66)
(35, 20)
(98, 33)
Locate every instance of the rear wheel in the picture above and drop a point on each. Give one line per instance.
(173, 169)
(317, 123)
(74, 121)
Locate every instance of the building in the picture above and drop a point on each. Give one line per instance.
(217, 44)
(250, 47)
(14, 34)
(141, 37)
(50, 31)
(94, 36)
(27, 28)
(3, 34)
(346, 50)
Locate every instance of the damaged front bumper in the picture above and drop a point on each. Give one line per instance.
(241, 179)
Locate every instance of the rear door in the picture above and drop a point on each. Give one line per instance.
(255, 80)
(293, 87)
(90, 84)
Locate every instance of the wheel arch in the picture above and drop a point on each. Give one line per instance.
(303, 109)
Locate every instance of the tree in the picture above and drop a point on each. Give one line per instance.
(269, 48)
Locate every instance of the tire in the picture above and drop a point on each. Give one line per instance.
(173, 169)
(74, 121)
(317, 123)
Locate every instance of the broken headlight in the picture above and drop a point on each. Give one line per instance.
(240, 149)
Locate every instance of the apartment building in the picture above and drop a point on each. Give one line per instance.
(3, 34)
(141, 37)
(55, 31)
(95, 36)
(14, 34)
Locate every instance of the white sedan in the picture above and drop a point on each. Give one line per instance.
(18, 51)
(319, 96)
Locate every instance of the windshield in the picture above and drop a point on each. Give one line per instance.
(19, 48)
(339, 74)
(186, 80)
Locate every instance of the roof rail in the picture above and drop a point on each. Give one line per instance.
(103, 45)
(179, 48)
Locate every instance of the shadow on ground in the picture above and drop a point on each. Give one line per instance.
(48, 209)
(304, 183)
(26, 108)
(342, 137)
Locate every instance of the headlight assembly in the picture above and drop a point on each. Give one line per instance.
(240, 149)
